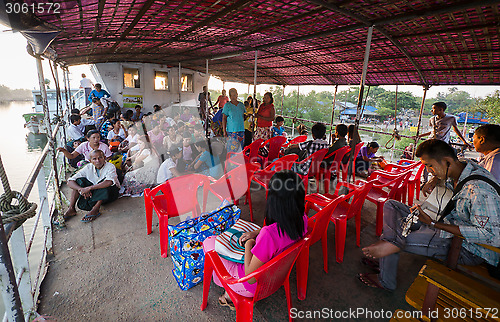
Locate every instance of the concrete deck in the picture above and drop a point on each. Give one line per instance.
(110, 270)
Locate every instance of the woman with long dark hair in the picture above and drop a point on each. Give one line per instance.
(286, 223)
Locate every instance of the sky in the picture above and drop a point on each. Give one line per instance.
(18, 70)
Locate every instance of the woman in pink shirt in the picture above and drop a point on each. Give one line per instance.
(286, 223)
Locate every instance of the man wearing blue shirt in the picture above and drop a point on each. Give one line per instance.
(98, 92)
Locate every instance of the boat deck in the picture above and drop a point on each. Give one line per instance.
(110, 269)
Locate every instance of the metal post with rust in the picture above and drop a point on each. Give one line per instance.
(282, 99)
(41, 80)
(333, 113)
(10, 291)
(426, 88)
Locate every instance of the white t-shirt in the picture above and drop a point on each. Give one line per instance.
(441, 128)
(73, 132)
(85, 83)
(164, 172)
(112, 134)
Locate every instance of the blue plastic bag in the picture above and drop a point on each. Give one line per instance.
(186, 242)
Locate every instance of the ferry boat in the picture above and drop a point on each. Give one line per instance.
(155, 52)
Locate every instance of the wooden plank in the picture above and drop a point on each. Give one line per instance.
(468, 290)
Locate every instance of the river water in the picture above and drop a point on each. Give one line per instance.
(20, 152)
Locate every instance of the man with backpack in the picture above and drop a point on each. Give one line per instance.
(472, 213)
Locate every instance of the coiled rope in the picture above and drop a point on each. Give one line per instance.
(14, 213)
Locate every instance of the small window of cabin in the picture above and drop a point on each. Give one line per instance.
(187, 82)
(161, 81)
(131, 78)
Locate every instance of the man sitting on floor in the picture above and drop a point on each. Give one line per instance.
(486, 140)
(475, 217)
(92, 186)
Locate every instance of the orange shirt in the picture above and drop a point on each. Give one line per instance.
(222, 100)
(266, 111)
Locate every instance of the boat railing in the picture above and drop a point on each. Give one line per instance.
(21, 244)
(362, 128)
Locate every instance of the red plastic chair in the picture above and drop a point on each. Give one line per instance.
(249, 154)
(343, 212)
(318, 225)
(270, 277)
(346, 166)
(263, 176)
(234, 185)
(274, 148)
(324, 174)
(315, 160)
(297, 140)
(413, 187)
(179, 196)
(378, 195)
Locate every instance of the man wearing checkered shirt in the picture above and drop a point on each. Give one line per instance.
(476, 218)
(318, 132)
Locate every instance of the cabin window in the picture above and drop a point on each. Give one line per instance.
(131, 78)
(161, 81)
(187, 82)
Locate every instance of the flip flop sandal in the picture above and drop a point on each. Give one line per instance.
(70, 216)
(89, 218)
(228, 304)
(368, 280)
(374, 265)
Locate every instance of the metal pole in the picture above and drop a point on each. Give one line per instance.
(59, 105)
(282, 99)
(66, 96)
(296, 110)
(255, 86)
(46, 112)
(333, 113)
(180, 86)
(10, 292)
(360, 99)
(206, 67)
(419, 121)
(363, 75)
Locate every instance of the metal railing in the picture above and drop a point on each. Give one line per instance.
(28, 285)
(20, 249)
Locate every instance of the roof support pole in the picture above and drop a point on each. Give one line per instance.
(206, 67)
(333, 113)
(255, 83)
(296, 111)
(282, 99)
(360, 100)
(419, 122)
(71, 102)
(180, 85)
(60, 110)
(363, 75)
(43, 90)
(66, 95)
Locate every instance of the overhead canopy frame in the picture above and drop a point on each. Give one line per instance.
(306, 42)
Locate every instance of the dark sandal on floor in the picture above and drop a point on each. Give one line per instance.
(369, 281)
(227, 303)
(89, 218)
(373, 264)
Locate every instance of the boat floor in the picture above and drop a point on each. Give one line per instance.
(110, 269)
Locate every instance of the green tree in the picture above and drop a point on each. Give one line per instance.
(489, 106)
(457, 101)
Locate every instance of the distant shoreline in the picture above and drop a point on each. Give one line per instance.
(15, 100)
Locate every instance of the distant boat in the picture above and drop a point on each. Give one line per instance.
(35, 123)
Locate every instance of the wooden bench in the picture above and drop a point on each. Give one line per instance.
(450, 292)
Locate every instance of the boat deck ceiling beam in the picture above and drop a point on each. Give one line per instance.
(303, 42)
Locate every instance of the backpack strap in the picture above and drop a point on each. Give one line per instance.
(453, 203)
